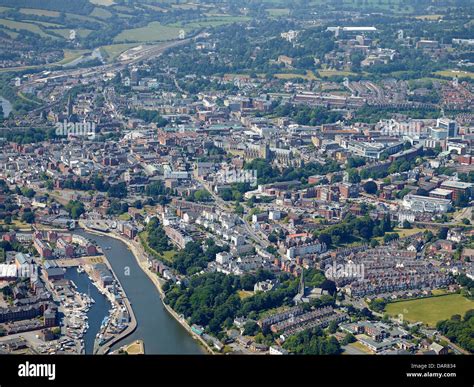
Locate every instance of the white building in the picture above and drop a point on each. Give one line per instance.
(223, 258)
(303, 250)
(425, 204)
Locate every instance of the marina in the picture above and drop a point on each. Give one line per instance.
(160, 332)
(94, 309)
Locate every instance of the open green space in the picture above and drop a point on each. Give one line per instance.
(165, 256)
(153, 32)
(18, 26)
(332, 73)
(455, 73)
(211, 22)
(430, 310)
(276, 12)
(39, 12)
(70, 55)
(105, 3)
(308, 76)
(101, 13)
(114, 50)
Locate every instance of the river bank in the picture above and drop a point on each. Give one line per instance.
(142, 261)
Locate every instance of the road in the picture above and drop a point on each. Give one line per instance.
(465, 213)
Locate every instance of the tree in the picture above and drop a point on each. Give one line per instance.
(370, 187)
(202, 195)
(355, 161)
(390, 237)
(226, 194)
(459, 330)
(325, 238)
(75, 209)
(157, 238)
(443, 233)
(49, 185)
(239, 209)
(155, 189)
(312, 342)
(349, 338)
(406, 224)
(118, 190)
(428, 235)
(272, 238)
(378, 305)
(353, 176)
(28, 192)
(28, 217)
(251, 328)
(332, 328)
(374, 243)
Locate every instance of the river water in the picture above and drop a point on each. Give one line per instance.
(6, 106)
(161, 333)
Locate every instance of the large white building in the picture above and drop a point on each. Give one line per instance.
(425, 204)
(305, 249)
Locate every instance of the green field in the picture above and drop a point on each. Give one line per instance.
(397, 6)
(428, 17)
(44, 24)
(332, 73)
(168, 255)
(430, 310)
(101, 13)
(243, 294)
(49, 29)
(455, 73)
(105, 3)
(184, 6)
(15, 25)
(64, 32)
(406, 232)
(309, 76)
(10, 33)
(125, 216)
(114, 50)
(153, 32)
(276, 12)
(70, 55)
(212, 22)
(39, 12)
(81, 18)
